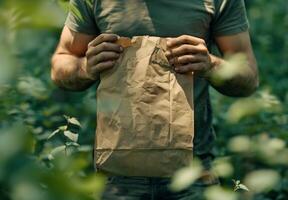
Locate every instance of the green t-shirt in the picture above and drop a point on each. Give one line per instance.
(206, 19)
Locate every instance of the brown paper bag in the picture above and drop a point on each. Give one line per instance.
(145, 122)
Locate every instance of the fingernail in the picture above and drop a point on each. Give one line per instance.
(121, 48)
(168, 43)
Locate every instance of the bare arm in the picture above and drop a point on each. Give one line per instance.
(243, 80)
(79, 58)
(69, 60)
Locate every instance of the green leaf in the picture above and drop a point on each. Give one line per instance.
(54, 133)
(75, 144)
(63, 128)
(56, 151)
(243, 187)
(72, 136)
(73, 120)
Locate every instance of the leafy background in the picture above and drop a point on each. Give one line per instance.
(46, 134)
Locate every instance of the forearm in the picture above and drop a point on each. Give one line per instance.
(67, 72)
(236, 76)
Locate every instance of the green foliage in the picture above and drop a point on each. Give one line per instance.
(44, 155)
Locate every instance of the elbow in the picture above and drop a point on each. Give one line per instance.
(240, 90)
(255, 85)
(251, 88)
(54, 78)
(53, 74)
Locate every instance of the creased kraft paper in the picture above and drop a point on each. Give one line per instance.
(145, 122)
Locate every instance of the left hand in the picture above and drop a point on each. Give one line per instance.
(189, 54)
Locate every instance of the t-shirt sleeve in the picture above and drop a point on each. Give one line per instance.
(81, 17)
(230, 18)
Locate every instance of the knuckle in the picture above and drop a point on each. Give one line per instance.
(185, 37)
(98, 68)
(186, 48)
(202, 66)
(100, 57)
(189, 58)
(90, 44)
(189, 67)
(202, 41)
(104, 45)
(107, 65)
(111, 63)
(101, 36)
(88, 53)
(184, 59)
(115, 55)
(202, 48)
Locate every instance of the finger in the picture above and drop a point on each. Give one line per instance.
(105, 46)
(104, 37)
(184, 39)
(193, 58)
(193, 67)
(102, 66)
(102, 57)
(186, 49)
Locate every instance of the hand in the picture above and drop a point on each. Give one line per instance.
(189, 54)
(102, 54)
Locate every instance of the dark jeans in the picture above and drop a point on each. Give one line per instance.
(144, 188)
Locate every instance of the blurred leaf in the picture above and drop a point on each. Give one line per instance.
(222, 167)
(233, 66)
(33, 87)
(253, 105)
(262, 180)
(37, 11)
(57, 150)
(74, 121)
(8, 67)
(28, 191)
(217, 193)
(243, 187)
(240, 186)
(72, 144)
(63, 128)
(85, 148)
(240, 144)
(186, 176)
(13, 140)
(54, 133)
(92, 184)
(72, 136)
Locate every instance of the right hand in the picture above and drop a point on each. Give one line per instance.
(102, 54)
